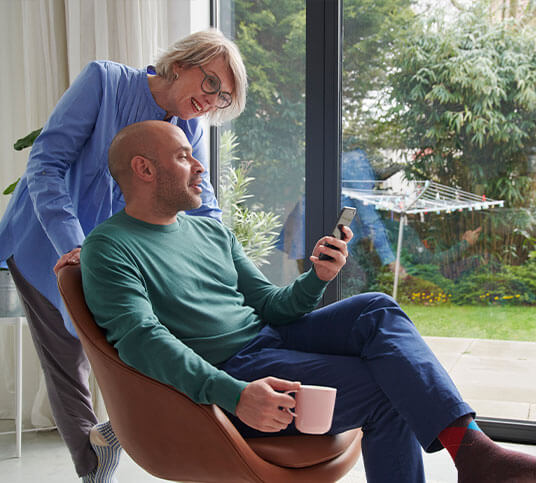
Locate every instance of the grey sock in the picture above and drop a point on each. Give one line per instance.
(108, 456)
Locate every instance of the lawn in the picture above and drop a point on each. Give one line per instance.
(493, 322)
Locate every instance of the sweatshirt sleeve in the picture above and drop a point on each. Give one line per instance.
(276, 305)
(116, 295)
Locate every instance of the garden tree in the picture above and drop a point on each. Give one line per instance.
(464, 97)
(271, 37)
(271, 131)
(372, 32)
(522, 10)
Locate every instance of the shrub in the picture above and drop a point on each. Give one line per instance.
(508, 285)
(412, 289)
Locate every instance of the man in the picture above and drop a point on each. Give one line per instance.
(182, 303)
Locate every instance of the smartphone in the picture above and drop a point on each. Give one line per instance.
(345, 218)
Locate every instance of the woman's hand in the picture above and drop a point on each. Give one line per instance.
(71, 258)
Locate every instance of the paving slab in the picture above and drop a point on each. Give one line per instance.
(503, 349)
(449, 344)
(488, 378)
(496, 377)
(504, 409)
(448, 350)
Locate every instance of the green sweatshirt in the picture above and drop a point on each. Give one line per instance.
(176, 300)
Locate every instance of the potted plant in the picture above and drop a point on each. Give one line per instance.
(10, 305)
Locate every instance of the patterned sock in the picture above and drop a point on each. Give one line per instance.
(479, 459)
(107, 456)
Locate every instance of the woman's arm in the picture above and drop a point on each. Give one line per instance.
(58, 146)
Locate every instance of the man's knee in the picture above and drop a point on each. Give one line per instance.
(375, 300)
(379, 310)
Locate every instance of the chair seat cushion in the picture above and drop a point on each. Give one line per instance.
(302, 450)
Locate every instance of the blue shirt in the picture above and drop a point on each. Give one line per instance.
(67, 189)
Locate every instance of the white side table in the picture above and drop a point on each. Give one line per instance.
(17, 322)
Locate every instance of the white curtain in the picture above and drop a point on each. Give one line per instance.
(126, 31)
(46, 43)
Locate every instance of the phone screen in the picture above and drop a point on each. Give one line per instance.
(345, 218)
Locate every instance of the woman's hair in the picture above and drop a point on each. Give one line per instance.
(199, 49)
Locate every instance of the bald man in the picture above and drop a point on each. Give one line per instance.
(153, 164)
(182, 303)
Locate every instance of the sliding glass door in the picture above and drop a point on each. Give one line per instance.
(432, 111)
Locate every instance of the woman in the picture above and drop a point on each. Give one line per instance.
(67, 190)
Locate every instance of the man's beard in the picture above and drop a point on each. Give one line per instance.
(170, 199)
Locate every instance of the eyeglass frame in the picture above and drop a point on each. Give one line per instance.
(222, 95)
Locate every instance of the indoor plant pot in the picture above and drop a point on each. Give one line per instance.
(10, 305)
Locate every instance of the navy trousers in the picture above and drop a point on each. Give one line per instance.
(388, 381)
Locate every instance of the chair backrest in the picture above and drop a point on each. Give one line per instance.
(172, 437)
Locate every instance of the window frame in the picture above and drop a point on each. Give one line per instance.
(323, 125)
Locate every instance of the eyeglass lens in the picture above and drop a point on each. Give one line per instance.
(212, 85)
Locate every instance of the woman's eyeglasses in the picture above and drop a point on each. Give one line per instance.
(211, 84)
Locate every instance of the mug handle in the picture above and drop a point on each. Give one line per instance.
(288, 410)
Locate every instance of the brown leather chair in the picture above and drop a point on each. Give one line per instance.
(172, 437)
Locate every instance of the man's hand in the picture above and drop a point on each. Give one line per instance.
(265, 409)
(71, 258)
(328, 269)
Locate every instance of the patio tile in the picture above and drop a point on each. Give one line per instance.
(495, 379)
(506, 409)
(502, 349)
(448, 360)
(449, 344)
(448, 350)
(493, 375)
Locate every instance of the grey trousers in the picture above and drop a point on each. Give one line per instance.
(66, 371)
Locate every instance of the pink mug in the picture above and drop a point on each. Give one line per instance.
(314, 408)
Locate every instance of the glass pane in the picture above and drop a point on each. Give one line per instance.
(262, 165)
(437, 126)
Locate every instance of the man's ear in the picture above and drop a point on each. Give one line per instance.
(143, 168)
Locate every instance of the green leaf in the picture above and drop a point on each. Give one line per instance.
(27, 140)
(11, 188)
